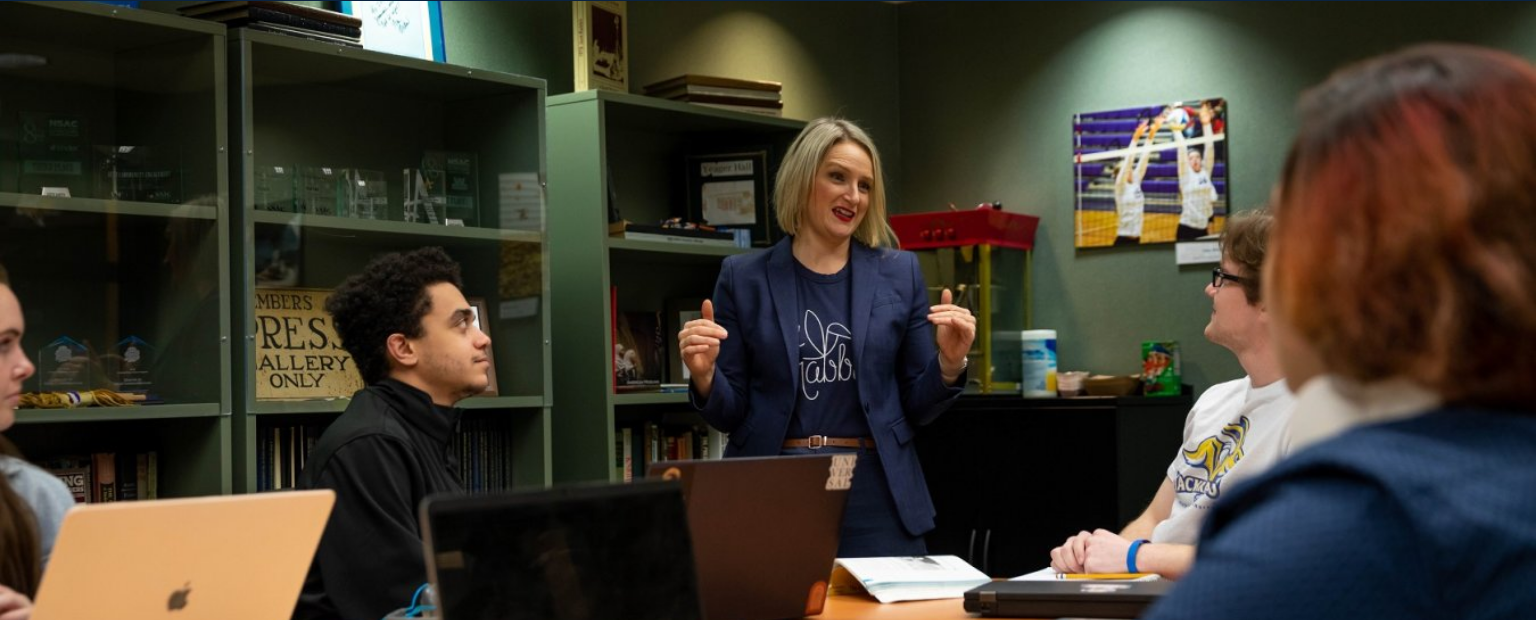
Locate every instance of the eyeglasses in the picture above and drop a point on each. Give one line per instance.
(1217, 277)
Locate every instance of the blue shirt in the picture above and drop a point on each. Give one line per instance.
(1430, 517)
(828, 402)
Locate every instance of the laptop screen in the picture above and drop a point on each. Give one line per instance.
(618, 551)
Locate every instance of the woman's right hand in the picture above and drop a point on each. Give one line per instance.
(699, 344)
(14, 605)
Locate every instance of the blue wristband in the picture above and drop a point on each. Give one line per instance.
(1130, 555)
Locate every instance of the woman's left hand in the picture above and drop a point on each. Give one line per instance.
(956, 331)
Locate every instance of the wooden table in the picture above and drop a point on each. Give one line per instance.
(861, 606)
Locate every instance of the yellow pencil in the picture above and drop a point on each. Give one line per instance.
(1102, 575)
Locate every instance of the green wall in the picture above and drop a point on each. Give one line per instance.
(988, 91)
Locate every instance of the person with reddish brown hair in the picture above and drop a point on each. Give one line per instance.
(1400, 287)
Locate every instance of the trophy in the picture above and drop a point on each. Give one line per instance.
(367, 194)
(53, 155)
(274, 188)
(128, 366)
(460, 185)
(319, 192)
(424, 197)
(64, 365)
(135, 173)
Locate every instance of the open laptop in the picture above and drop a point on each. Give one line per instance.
(1054, 599)
(614, 551)
(765, 530)
(238, 557)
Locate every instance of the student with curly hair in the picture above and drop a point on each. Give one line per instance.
(411, 332)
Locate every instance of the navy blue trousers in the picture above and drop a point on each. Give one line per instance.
(871, 525)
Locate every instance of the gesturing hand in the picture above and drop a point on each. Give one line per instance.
(956, 331)
(699, 344)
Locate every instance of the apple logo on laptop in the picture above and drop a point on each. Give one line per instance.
(178, 598)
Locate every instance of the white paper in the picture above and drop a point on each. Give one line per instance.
(1197, 252)
(895, 579)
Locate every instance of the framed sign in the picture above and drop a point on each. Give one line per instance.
(412, 29)
(298, 354)
(730, 190)
(482, 323)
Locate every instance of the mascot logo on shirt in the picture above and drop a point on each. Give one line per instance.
(1216, 455)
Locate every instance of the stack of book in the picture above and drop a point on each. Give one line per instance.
(690, 236)
(282, 18)
(751, 96)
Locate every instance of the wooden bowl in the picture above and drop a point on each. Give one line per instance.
(1102, 385)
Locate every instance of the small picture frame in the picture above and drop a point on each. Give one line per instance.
(482, 323)
(730, 190)
(600, 46)
(412, 29)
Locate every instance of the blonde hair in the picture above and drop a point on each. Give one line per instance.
(792, 188)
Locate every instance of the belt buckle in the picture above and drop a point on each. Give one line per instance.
(816, 442)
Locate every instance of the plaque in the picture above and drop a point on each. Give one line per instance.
(53, 153)
(424, 197)
(64, 365)
(319, 191)
(128, 366)
(136, 173)
(460, 184)
(367, 194)
(274, 188)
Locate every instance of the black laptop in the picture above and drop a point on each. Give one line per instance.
(615, 551)
(1054, 599)
(765, 530)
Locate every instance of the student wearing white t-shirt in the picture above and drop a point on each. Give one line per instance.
(1235, 431)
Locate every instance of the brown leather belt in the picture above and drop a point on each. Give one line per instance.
(817, 441)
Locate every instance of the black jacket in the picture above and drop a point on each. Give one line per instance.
(388, 450)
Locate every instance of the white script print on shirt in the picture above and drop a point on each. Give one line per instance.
(827, 361)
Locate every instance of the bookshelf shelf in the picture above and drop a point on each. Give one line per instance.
(627, 150)
(616, 245)
(651, 398)
(381, 228)
(103, 207)
(100, 414)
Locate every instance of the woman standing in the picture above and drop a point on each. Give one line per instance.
(822, 343)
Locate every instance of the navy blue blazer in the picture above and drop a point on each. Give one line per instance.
(757, 378)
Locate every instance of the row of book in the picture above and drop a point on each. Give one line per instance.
(637, 446)
(484, 452)
(283, 18)
(751, 96)
(107, 476)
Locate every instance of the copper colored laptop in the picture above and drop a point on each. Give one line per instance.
(237, 557)
(765, 530)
